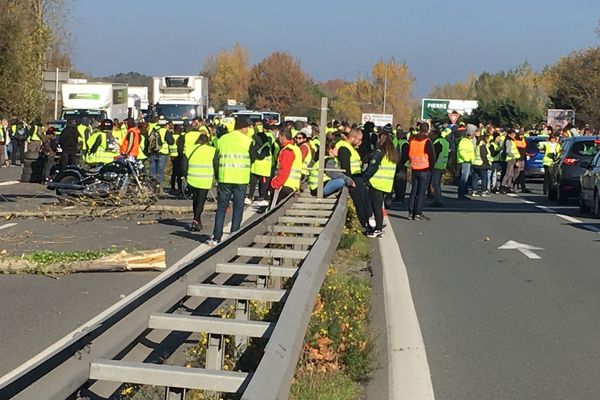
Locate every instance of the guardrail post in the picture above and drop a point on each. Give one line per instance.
(276, 280)
(242, 312)
(215, 352)
(175, 393)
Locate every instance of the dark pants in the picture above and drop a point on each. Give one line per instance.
(358, 195)
(18, 148)
(67, 159)
(227, 192)
(420, 181)
(547, 178)
(198, 200)
(376, 196)
(400, 183)
(281, 194)
(436, 184)
(263, 186)
(176, 173)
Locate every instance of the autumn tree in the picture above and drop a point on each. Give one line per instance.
(26, 38)
(460, 90)
(280, 84)
(229, 73)
(574, 83)
(390, 82)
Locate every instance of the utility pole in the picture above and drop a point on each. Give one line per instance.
(56, 94)
(385, 87)
(322, 145)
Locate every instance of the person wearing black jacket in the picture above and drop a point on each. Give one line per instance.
(401, 169)
(68, 141)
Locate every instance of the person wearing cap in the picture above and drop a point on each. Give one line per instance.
(465, 154)
(233, 160)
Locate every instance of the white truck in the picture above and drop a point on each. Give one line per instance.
(142, 93)
(180, 98)
(97, 100)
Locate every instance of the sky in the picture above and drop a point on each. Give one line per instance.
(441, 41)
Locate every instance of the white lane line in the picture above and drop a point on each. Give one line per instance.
(592, 228)
(8, 183)
(6, 226)
(409, 376)
(570, 219)
(512, 195)
(544, 208)
(527, 201)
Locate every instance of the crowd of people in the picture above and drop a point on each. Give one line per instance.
(248, 158)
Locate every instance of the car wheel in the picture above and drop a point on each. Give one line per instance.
(583, 207)
(596, 205)
(563, 197)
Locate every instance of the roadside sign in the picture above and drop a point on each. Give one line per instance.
(294, 119)
(378, 119)
(460, 106)
(560, 117)
(454, 116)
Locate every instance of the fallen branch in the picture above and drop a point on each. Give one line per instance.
(148, 260)
(99, 212)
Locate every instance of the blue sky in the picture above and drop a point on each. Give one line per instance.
(441, 41)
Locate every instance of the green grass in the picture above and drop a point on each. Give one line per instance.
(335, 386)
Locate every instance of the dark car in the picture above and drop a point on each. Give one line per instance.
(589, 197)
(534, 167)
(575, 151)
(58, 124)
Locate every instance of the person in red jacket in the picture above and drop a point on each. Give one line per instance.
(284, 167)
(130, 147)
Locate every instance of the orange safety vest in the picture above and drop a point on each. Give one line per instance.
(132, 149)
(419, 159)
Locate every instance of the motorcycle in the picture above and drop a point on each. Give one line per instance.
(117, 182)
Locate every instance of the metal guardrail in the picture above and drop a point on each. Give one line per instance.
(88, 352)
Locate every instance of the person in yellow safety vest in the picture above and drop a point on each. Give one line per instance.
(495, 148)
(307, 152)
(333, 181)
(235, 154)
(18, 136)
(85, 130)
(102, 146)
(511, 156)
(159, 140)
(192, 135)
(35, 131)
(380, 177)
(200, 175)
(441, 148)
(262, 167)
(401, 168)
(117, 132)
(153, 124)
(177, 156)
(481, 165)
(551, 150)
(465, 154)
(289, 168)
(350, 161)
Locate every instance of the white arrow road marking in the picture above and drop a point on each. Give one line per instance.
(525, 249)
(6, 226)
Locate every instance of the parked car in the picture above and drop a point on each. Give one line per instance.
(589, 197)
(58, 124)
(575, 151)
(534, 167)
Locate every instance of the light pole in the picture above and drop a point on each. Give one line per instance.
(385, 87)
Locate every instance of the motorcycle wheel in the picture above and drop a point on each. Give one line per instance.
(64, 199)
(149, 190)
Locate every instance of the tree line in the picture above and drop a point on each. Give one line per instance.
(32, 39)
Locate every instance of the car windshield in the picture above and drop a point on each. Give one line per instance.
(177, 112)
(271, 116)
(78, 114)
(584, 148)
(252, 117)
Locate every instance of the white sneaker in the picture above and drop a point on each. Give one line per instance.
(372, 223)
(247, 201)
(262, 203)
(212, 243)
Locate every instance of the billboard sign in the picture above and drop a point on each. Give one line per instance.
(449, 105)
(560, 117)
(378, 119)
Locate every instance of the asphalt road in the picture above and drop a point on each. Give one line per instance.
(497, 324)
(37, 310)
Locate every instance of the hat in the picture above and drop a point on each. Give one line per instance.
(388, 128)
(307, 130)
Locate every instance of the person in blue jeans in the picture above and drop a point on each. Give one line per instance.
(334, 180)
(225, 193)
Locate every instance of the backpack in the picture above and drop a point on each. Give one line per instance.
(263, 146)
(154, 141)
